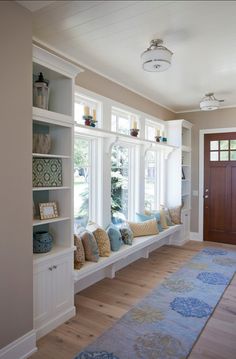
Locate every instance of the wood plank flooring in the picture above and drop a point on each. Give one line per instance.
(100, 305)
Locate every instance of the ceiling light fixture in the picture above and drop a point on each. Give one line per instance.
(156, 58)
(209, 102)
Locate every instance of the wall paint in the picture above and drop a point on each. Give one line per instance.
(16, 284)
(102, 86)
(222, 118)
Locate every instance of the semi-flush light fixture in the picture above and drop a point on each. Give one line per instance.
(209, 102)
(156, 58)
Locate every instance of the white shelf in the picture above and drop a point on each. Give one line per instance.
(186, 165)
(50, 188)
(40, 222)
(128, 138)
(186, 149)
(185, 194)
(46, 116)
(49, 155)
(56, 250)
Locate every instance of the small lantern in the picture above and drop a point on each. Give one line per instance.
(41, 92)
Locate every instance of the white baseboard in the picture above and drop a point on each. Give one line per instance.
(55, 322)
(21, 348)
(195, 236)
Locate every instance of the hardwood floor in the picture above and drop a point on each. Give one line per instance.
(100, 305)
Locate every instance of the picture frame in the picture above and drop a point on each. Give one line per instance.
(48, 210)
(183, 175)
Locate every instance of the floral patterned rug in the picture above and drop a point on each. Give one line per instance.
(167, 322)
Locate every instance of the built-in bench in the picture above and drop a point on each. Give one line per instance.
(106, 267)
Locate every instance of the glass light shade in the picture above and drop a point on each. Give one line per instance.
(157, 59)
(41, 93)
(209, 105)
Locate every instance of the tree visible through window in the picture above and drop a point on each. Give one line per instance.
(119, 183)
(81, 180)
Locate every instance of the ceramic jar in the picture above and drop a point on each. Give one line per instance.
(42, 242)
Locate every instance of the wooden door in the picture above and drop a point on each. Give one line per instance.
(220, 187)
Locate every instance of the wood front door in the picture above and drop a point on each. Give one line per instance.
(220, 187)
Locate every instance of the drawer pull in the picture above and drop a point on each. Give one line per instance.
(54, 267)
(50, 268)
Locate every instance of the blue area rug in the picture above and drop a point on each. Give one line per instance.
(167, 322)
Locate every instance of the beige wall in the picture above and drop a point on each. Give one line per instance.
(16, 293)
(99, 84)
(223, 118)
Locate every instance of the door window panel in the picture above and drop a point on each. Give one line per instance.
(214, 156)
(224, 155)
(223, 150)
(214, 145)
(233, 144)
(224, 145)
(233, 155)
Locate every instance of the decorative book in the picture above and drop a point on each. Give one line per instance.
(47, 172)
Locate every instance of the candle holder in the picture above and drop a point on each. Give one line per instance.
(164, 139)
(158, 138)
(134, 132)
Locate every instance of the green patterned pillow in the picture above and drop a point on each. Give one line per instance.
(89, 244)
(127, 235)
(175, 214)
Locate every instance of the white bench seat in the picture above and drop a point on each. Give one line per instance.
(106, 267)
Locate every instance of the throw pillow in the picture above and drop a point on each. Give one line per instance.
(89, 244)
(79, 255)
(127, 235)
(175, 214)
(114, 237)
(144, 228)
(102, 239)
(167, 216)
(143, 217)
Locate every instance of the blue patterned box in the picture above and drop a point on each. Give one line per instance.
(47, 172)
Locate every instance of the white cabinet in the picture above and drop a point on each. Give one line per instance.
(53, 292)
(179, 171)
(53, 271)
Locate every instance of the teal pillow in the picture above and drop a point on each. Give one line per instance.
(143, 217)
(127, 235)
(115, 237)
(158, 218)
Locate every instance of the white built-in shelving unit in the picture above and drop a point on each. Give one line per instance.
(179, 171)
(53, 271)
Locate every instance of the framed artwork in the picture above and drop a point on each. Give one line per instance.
(48, 210)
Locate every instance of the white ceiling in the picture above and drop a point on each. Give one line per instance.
(109, 36)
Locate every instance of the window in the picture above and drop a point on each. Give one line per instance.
(152, 180)
(119, 183)
(153, 129)
(223, 150)
(82, 189)
(122, 121)
(85, 106)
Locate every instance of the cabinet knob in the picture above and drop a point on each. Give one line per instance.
(54, 267)
(50, 268)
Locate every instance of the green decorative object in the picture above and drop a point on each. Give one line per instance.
(47, 172)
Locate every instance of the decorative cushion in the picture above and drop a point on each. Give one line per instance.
(127, 235)
(79, 255)
(144, 217)
(114, 237)
(163, 219)
(89, 244)
(102, 239)
(144, 228)
(167, 216)
(175, 214)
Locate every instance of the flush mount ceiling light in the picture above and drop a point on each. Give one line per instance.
(156, 58)
(209, 102)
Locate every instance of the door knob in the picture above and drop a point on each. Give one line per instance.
(206, 196)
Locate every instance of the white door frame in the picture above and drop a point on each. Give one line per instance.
(201, 172)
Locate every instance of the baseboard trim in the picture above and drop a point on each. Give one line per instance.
(55, 322)
(195, 236)
(21, 348)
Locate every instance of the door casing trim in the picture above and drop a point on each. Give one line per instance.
(201, 172)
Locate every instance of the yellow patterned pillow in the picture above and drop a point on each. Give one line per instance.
(102, 239)
(163, 219)
(146, 228)
(175, 214)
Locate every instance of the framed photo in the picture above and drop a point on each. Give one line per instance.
(48, 210)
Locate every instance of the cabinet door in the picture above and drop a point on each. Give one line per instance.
(186, 224)
(62, 284)
(42, 294)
